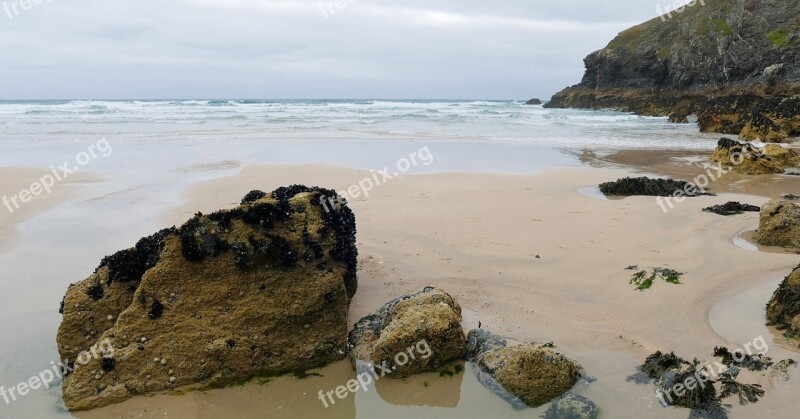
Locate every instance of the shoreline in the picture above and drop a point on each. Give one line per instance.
(477, 235)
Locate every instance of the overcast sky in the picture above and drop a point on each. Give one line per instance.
(456, 49)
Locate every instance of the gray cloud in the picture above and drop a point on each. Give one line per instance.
(290, 49)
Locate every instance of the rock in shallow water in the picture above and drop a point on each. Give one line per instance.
(572, 406)
(748, 159)
(524, 372)
(779, 224)
(263, 288)
(425, 326)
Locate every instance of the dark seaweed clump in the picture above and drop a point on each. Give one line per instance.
(751, 362)
(156, 309)
(643, 186)
(701, 397)
(95, 292)
(748, 393)
(657, 364)
(732, 208)
(131, 264)
(253, 196)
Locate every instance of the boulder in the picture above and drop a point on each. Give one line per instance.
(745, 158)
(784, 156)
(534, 102)
(261, 289)
(526, 372)
(732, 208)
(414, 333)
(643, 186)
(761, 128)
(783, 310)
(779, 224)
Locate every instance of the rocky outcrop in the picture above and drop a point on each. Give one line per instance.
(732, 208)
(643, 186)
(779, 224)
(783, 310)
(745, 158)
(261, 289)
(429, 319)
(732, 63)
(534, 102)
(524, 373)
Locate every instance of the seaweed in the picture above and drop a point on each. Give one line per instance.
(701, 396)
(748, 393)
(732, 208)
(643, 186)
(658, 363)
(644, 282)
(739, 359)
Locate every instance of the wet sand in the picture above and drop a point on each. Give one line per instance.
(14, 180)
(478, 236)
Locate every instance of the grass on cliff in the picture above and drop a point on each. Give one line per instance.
(779, 37)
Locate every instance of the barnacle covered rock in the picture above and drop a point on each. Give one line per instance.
(263, 288)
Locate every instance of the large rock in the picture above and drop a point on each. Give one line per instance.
(748, 159)
(779, 224)
(263, 288)
(525, 372)
(732, 63)
(428, 321)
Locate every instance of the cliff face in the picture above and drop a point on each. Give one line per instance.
(723, 57)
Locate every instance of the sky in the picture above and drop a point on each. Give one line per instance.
(270, 49)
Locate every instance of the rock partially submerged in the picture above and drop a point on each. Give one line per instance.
(644, 186)
(431, 316)
(744, 158)
(572, 406)
(262, 289)
(779, 224)
(534, 102)
(732, 208)
(783, 310)
(525, 372)
(748, 159)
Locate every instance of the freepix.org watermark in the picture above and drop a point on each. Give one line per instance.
(16, 7)
(679, 6)
(375, 372)
(711, 371)
(45, 184)
(365, 186)
(49, 376)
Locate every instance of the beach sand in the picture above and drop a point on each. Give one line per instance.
(534, 258)
(14, 180)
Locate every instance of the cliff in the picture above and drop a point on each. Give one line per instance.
(735, 64)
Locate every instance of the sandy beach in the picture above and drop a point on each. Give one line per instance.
(534, 258)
